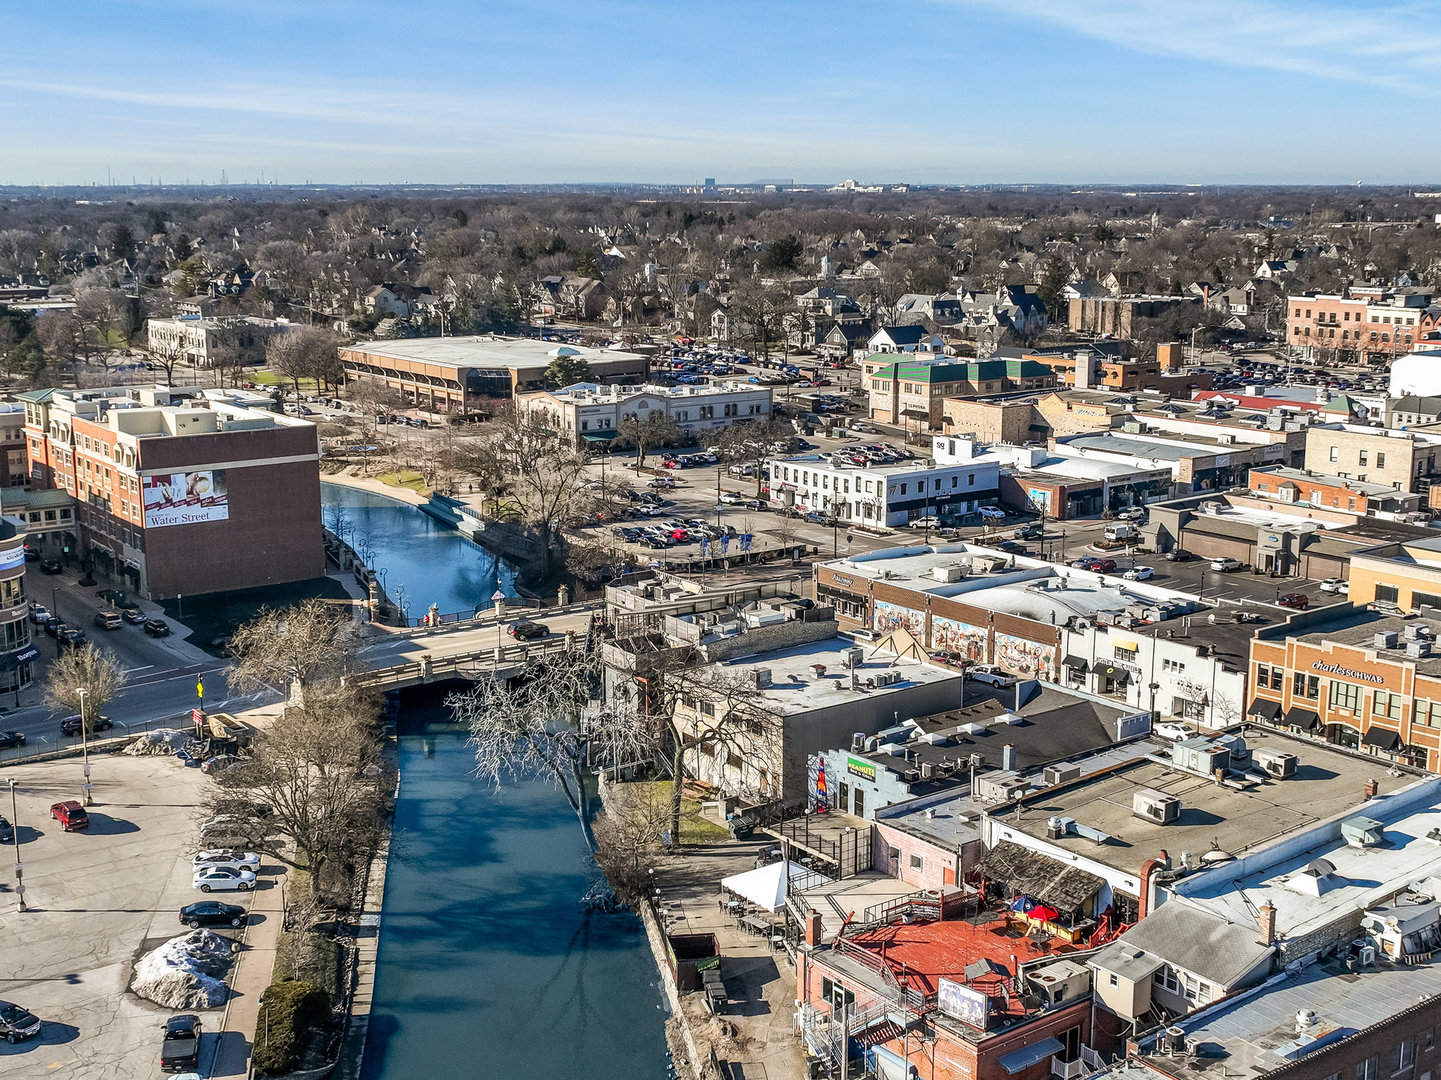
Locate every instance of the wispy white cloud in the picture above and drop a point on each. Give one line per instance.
(1383, 44)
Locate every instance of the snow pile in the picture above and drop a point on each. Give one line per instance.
(186, 972)
(159, 741)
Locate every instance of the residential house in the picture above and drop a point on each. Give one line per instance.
(905, 339)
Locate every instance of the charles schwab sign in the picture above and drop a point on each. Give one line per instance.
(1347, 673)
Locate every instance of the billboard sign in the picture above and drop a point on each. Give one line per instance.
(960, 1002)
(10, 558)
(185, 498)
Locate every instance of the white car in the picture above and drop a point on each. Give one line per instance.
(732, 498)
(1140, 573)
(1335, 585)
(223, 879)
(1226, 564)
(236, 860)
(1175, 732)
(991, 675)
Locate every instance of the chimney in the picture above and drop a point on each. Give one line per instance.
(1219, 775)
(1266, 924)
(1372, 788)
(1008, 757)
(813, 927)
(1148, 870)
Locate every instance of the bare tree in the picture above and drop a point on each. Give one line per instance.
(754, 444)
(168, 355)
(655, 429)
(546, 723)
(309, 644)
(628, 836)
(83, 674)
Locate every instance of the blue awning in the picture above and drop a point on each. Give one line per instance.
(27, 654)
(1022, 1059)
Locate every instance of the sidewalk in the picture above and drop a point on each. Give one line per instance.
(252, 974)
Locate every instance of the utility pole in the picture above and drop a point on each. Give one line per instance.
(82, 693)
(15, 835)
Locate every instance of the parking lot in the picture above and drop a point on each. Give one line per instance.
(98, 899)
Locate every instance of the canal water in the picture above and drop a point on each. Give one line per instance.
(423, 562)
(488, 964)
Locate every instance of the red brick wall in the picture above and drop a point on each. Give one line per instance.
(935, 860)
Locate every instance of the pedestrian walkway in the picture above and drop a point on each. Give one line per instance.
(254, 967)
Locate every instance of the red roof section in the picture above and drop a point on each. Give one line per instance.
(1264, 404)
(920, 954)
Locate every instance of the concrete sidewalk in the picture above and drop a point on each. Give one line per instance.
(230, 1054)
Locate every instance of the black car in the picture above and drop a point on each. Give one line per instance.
(180, 1052)
(1012, 547)
(212, 913)
(1177, 555)
(17, 1023)
(525, 630)
(7, 831)
(50, 566)
(71, 724)
(53, 626)
(1029, 531)
(157, 628)
(11, 738)
(72, 637)
(134, 616)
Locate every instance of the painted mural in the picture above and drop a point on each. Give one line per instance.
(958, 639)
(889, 616)
(1026, 658)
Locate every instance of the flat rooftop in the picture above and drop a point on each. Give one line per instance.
(1302, 476)
(1255, 1033)
(1357, 627)
(1087, 468)
(488, 352)
(1233, 819)
(1359, 877)
(1154, 450)
(795, 686)
(602, 394)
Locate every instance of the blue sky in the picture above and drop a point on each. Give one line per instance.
(495, 91)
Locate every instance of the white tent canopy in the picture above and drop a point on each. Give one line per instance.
(766, 886)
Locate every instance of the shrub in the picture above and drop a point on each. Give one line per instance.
(291, 1009)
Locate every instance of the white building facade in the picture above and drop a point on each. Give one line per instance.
(594, 413)
(883, 496)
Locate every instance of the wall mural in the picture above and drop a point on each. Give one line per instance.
(1021, 656)
(889, 616)
(958, 639)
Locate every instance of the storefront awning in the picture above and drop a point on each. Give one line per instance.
(1115, 674)
(1075, 663)
(1021, 1060)
(1381, 738)
(1267, 710)
(1305, 719)
(915, 414)
(598, 436)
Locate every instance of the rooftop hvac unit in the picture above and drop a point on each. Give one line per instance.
(1361, 831)
(760, 678)
(1413, 631)
(927, 769)
(1384, 640)
(975, 761)
(855, 658)
(1060, 774)
(1200, 756)
(1417, 649)
(1151, 805)
(948, 574)
(1275, 764)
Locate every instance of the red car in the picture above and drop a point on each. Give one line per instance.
(1294, 600)
(1103, 566)
(71, 815)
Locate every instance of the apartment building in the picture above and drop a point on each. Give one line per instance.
(593, 413)
(200, 340)
(178, 490)
(1359, 497)
(916, 391)
(1356, 324)
(1404, 460)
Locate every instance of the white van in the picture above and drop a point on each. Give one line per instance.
(1122, 530)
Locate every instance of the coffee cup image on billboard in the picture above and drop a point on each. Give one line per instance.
(184, 498)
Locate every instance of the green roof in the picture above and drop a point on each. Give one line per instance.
(39, 397)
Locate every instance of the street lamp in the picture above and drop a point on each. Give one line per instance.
(81, 692)
(15, 835)
(497, 598)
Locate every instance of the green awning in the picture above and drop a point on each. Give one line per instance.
(598, 436)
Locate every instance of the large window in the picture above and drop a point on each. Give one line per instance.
(1306, 686)
(1345, 696)
(1387, 705)
(1268, 677)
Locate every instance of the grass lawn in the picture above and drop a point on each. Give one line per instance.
(269, 378)
(406, 479)
(218, 614)
(694, 829)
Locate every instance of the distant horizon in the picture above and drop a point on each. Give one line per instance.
(931, 92)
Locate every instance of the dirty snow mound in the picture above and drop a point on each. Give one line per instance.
(186, 972)
(159, 741)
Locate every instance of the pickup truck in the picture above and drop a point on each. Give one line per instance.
(180, 1052)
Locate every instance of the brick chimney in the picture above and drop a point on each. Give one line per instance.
(1266, 924)
(1148, 870)
(1372, 788)
(813, 927)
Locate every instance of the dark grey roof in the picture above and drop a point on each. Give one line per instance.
(1038, 876)
(1187, 936)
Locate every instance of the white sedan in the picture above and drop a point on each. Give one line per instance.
(1140, 573)
(733, 498)
(223, 878)
(236, 860)
(1334, 585)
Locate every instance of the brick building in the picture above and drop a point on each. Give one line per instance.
(1370, 325)
(178, 491)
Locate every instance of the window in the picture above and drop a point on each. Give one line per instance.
(1113, 979)
(1345, 695)
(894, 854)
(1405, 1055)
(1120, 652)
(903, 489)
(1335, 453)
(836, 994)
(917, 862)
(970, 479)
(1380, 459)
(1268, 677)
(1387, 705)
(1425, 1038)
(1306, 686)
(1361, 458)
(1366, 1070)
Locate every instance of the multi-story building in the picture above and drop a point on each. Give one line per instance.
(198, 340)
(593, 413)
(1303, 487)
(882, 495)
(464, 374)
(1404, 460)
(916, 390)
(17, 652)
(177, 490)
(1361, 324)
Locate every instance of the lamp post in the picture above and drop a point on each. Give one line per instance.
(82, 693)
(497, 598)
(15, 836)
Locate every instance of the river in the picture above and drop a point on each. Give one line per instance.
(488, 965)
